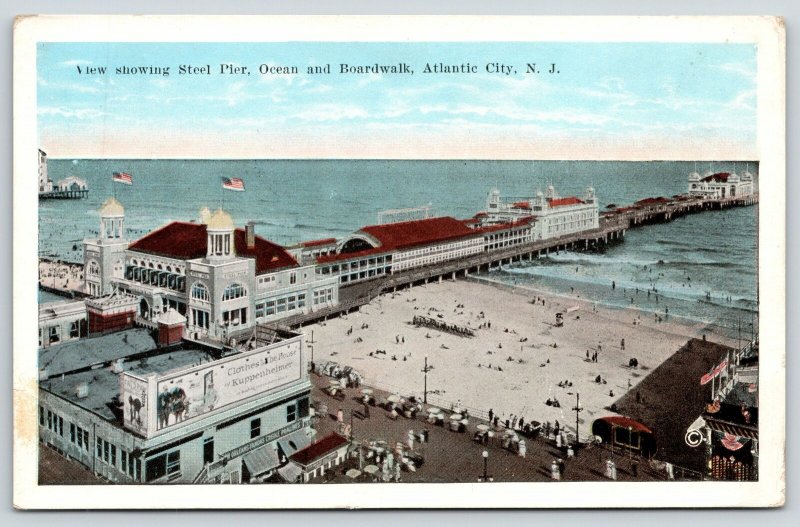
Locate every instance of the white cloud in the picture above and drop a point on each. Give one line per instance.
(73, 63)
(739, 68)
(332, 112)
(71, 113)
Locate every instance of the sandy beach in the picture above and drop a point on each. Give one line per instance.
(66, 276)
(517, 357)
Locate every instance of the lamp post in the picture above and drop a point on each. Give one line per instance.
(578, 411)
(311, 347)
(630, 443)
(486, 477)
(425, 370)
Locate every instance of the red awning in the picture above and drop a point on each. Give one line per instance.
(625, 422)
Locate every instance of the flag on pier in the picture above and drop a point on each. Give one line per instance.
(233, 183)
(705, 379)
(123, 177)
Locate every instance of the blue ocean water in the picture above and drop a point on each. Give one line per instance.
(291, 201)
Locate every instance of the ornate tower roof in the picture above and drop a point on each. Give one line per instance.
(112, 207)
(220, 221)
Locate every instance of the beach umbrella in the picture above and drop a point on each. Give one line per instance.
(371, 469)
(483, 428)
(353, 473)
(366, 391)
(456, 417)
(434, 411)
(335, 383)
(394, 398)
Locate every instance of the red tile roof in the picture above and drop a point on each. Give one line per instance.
(418, 232)
(318, 449)
(187, 241)
(560, 202)
(651, 201)
(314, 243)
(522, 205)
(406, 234)
(719, 177)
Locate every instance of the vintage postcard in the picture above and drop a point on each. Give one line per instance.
(405, 262)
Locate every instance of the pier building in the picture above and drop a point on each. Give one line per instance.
(555, 215)
(721, 185)
(134, 412)
(223, 279)
(71, 187)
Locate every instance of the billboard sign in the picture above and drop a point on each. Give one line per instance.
(133, 392)
(199, 391)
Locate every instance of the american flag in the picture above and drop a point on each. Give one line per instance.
(122, 177)
(705, 379)
(233, 183)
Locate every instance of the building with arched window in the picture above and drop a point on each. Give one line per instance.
(224, 280)
(104, 256)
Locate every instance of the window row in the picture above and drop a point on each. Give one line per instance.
(280, 305)
(55, 423)
(156, 278)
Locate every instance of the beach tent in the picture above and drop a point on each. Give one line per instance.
(625, 432)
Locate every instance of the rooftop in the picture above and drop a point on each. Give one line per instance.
(84, 353)
(407, 234)
(188, 241)
(719, 177)
(318, 449)
(561, 202)
(418, 232)
(103, 383)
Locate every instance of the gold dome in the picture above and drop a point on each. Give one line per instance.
(220, 220)
(112, 207)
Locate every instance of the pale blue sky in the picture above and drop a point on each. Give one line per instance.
(670, 100)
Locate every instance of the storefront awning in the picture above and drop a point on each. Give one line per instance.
(290, 472)
(293, 442)
(261, 460)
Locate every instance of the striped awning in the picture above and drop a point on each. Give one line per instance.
(261, 460)
(731, 428)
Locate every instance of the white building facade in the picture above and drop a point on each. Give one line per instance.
(721, 185)
(224, 280)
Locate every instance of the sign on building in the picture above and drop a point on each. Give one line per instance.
(133, 392)
(201, 390)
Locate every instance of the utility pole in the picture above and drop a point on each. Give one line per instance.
(425, 370)
(578, 411)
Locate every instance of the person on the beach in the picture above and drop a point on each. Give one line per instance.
(622, 344)
(491, 412)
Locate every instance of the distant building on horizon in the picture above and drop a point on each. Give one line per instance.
(721, 185)
(71, 187)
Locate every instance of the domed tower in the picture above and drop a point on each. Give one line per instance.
(104, 257)
(589, 197)
(219, 229)
(551, 192)
(112, 220)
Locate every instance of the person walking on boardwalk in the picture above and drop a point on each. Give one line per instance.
(491, 414)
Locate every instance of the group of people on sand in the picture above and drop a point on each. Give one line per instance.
(512, 422)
